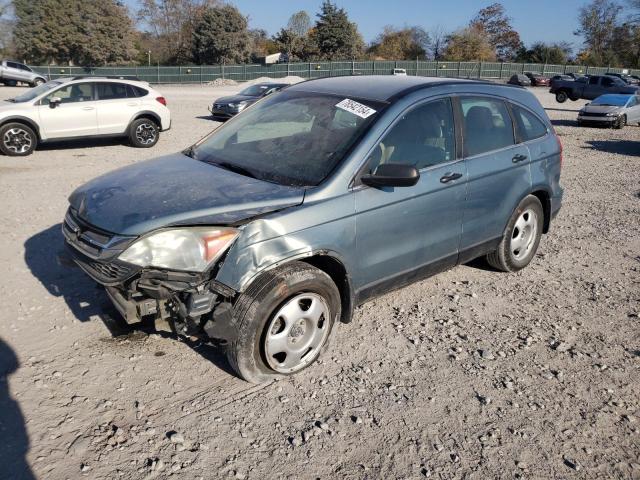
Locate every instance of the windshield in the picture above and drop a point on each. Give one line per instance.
(289, 138)
(612, 100)
(35, 92)
(255, 90)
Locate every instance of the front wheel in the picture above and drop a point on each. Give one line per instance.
(621, 122)
(283, 322)
(144, 133)
(17, 140)
(37, 82)
(561, 97)
(521, 238)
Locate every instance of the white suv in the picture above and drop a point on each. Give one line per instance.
(83, 107)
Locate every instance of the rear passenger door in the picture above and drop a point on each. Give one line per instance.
(117, 104)
(498, 172)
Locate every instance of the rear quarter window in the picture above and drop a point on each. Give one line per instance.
(529, 127)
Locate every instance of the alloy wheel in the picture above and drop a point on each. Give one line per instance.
(146, 133)
(17, 140)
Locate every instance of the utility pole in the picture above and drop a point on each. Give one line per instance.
(149, 56)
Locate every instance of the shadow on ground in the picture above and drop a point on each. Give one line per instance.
(563, 110)
(81, 143)
(86, 299)
(620, 147)
(15, 441)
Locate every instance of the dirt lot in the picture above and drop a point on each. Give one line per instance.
(471, 374)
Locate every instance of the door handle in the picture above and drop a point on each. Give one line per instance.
(87, 108)
(519, 158)
(448, 177)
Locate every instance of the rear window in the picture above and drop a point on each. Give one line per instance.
(487, 125)
(111, 91)
(529, 126)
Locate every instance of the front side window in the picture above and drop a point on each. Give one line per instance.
(77, 92)
(289, 138)
(111, 91)
(487, 125)
(593, 80)
(529, 126)
(422, 138)
(608, 82)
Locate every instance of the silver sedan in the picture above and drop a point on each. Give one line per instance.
(613, 110)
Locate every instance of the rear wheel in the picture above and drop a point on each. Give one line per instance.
(521, 238)
(17, 140)
(283, 322)
(144, 133)
(561, 97)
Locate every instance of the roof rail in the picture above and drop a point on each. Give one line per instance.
(110, 77)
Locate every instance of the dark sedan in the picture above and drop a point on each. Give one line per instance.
(226, 107)
(519, 79)
(538, 80)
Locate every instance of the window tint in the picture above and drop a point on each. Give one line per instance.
(24, 67)
(529, 126)
(593, 80)
(140, 92)
(12, 65)
(423, 137)
(77, 92)
(487, 125)
(111, 91)
(607, 82)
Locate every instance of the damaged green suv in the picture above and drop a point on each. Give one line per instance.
(267, 233)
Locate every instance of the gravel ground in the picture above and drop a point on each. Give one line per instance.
(475, 374)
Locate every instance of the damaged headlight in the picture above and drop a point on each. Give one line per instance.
(238, 106)
(191, 249)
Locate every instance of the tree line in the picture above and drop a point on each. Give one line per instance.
(179, 32)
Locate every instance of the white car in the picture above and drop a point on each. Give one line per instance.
(83, 107)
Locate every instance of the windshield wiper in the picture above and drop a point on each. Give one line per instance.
(190, 152)
(235, 168)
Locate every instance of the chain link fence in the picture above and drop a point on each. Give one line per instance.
(208, 73)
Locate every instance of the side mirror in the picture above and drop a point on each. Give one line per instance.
(392, 175)
(54, 102)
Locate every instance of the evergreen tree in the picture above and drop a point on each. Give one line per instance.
(73, 32)
(221, 36)
(337, 38)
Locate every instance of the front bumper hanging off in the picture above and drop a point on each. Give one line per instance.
(184, 302)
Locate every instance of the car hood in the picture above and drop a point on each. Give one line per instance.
(176, 190)
(235, 99)
(601, 109)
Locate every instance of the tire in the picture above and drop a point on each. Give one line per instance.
(17, 140)
(259, 317)
(37, 82)
(525, 224)
(561, 97)
(621, 122)
(143, 133)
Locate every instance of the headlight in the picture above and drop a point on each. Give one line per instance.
(191, 249)
(612, 114)
(238, 106)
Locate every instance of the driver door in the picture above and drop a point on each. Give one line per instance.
(74, 116)
(404, 233)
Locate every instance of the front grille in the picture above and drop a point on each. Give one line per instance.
(96, 251)
(593, 114)
(107, 273)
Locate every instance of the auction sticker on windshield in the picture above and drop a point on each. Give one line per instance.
(356, 108)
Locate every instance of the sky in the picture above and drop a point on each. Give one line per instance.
(546, 20)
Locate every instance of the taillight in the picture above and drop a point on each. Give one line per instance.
(162, 101)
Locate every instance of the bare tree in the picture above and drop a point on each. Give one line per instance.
(171, 24)
(438, 36)
(597, 23)
(299, 23)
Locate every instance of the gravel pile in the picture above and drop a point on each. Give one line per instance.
(469, 374)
